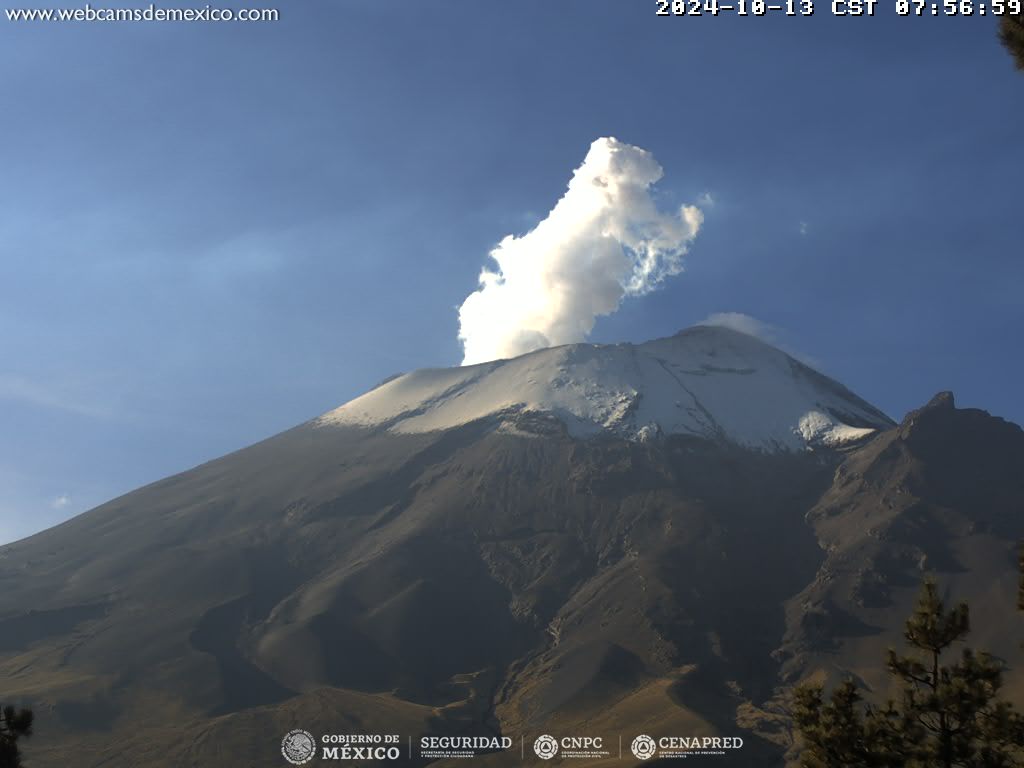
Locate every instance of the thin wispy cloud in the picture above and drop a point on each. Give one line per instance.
(738, 321)
(248, 255)
(21, 389)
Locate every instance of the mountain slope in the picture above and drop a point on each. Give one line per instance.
(504, 574)
(943, 495)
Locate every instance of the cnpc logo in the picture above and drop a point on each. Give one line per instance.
(546, 747)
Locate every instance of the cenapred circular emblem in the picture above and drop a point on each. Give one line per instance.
(546, 747)
(298, 746)
(643, 747)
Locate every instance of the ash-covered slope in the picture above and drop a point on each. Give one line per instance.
(706, 381)
(492, 571)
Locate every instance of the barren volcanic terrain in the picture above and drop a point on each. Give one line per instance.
(586, 540)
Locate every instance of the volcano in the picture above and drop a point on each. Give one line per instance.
(585, 541)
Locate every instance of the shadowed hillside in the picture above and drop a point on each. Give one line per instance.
(499, 576)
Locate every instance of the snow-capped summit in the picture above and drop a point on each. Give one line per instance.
(705, 381)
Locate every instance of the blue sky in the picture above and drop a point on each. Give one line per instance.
(211, 232)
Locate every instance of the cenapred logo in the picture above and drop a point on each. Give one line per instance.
(546, 747)
(298, 747)
(643, 747)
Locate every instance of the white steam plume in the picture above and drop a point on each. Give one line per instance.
(605, 239)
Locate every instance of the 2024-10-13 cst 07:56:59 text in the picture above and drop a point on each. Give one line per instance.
(838, 7)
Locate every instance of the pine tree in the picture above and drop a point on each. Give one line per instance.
(947, 715)
(14, 724)
(845, 731)
(1011, 32)
(834, 732)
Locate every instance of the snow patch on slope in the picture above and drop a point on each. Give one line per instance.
(817, 428)
(709, 382)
